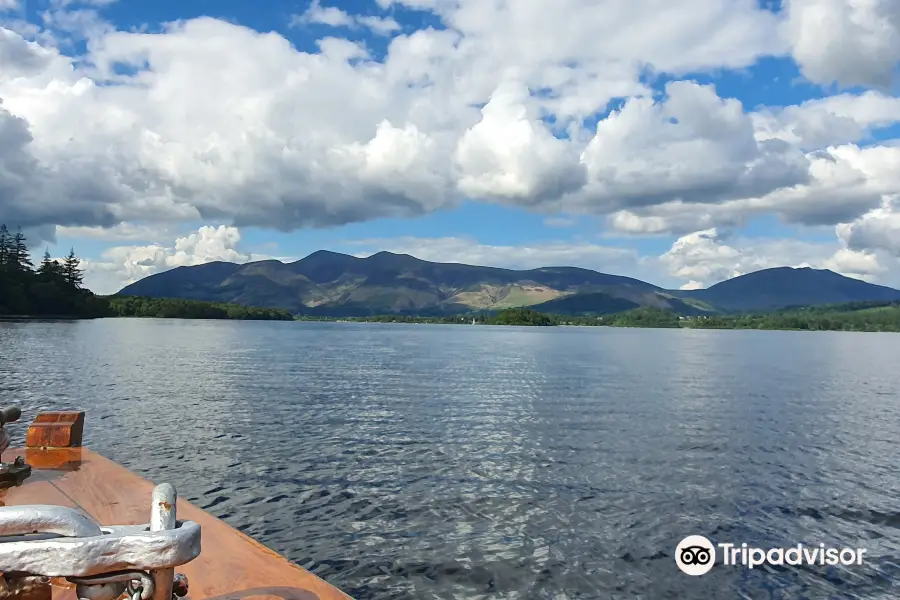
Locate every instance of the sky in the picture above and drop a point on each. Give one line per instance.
(682, 143)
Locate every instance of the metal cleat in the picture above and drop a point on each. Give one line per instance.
(11, 474)
(102, 561)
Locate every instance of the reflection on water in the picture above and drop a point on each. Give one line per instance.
(412, 461)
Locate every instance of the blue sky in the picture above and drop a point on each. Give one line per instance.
(603, 134)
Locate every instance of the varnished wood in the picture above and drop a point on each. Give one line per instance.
(53, 459)
(56, 430)
(231, 565)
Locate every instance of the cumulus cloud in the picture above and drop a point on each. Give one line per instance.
(335, 17)
(707, 257)
(75, 190)
(846, 182)
(693, 146)
(325, 15)
(233, 150)
(878, 229)
(21, 57)
(849, 42)
(120, 265)
(510, 154)
(149, 126)
(675, 218)
(831, 121)
(498, 105)
(379, 25)
(701, 256)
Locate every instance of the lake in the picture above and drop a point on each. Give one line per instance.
(451, 461)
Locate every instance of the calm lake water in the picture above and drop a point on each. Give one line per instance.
(417, 461)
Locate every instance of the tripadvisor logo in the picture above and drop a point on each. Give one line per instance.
(696, 555)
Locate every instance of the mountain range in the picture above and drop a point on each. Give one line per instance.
(338, 285)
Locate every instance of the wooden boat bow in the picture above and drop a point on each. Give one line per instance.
(72, 480)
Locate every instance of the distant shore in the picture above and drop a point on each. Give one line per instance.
(43, 318)
(857, 316)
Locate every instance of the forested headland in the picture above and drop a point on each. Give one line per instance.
(54, 289)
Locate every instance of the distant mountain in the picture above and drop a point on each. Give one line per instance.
(332, 284)
(785, 286)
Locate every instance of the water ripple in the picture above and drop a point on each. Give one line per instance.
(476, 462)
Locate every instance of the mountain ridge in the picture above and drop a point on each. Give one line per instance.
(328, 283)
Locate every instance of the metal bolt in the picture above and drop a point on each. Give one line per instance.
(180, 585)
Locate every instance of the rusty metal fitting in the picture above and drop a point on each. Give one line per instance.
(180, 585)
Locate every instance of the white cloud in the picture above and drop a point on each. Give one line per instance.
(859, 264)
(336, 17)
(706, 257)
(510, 154)
(850, 42)
(121, 265)
(676, 218)
(842, 119)
(325, 15)
(878, 229)
(379, 25)
(693, 146)
(149, 128)
(700, 256)
(846, 183)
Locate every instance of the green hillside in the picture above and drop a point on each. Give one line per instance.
(329, 284)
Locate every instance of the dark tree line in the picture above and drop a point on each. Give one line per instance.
(51, 289)
(852, 316)
(178, 308)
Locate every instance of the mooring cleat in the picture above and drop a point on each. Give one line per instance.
(43, 541)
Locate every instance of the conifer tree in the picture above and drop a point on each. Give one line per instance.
(20, 261)
(5, 241)
(48, 266)
(72, 274)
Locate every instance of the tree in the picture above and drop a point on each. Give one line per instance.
(19, 259)
(5, 241)
(72, 274)
(24, 292)
(49, 268)
(522, 316)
